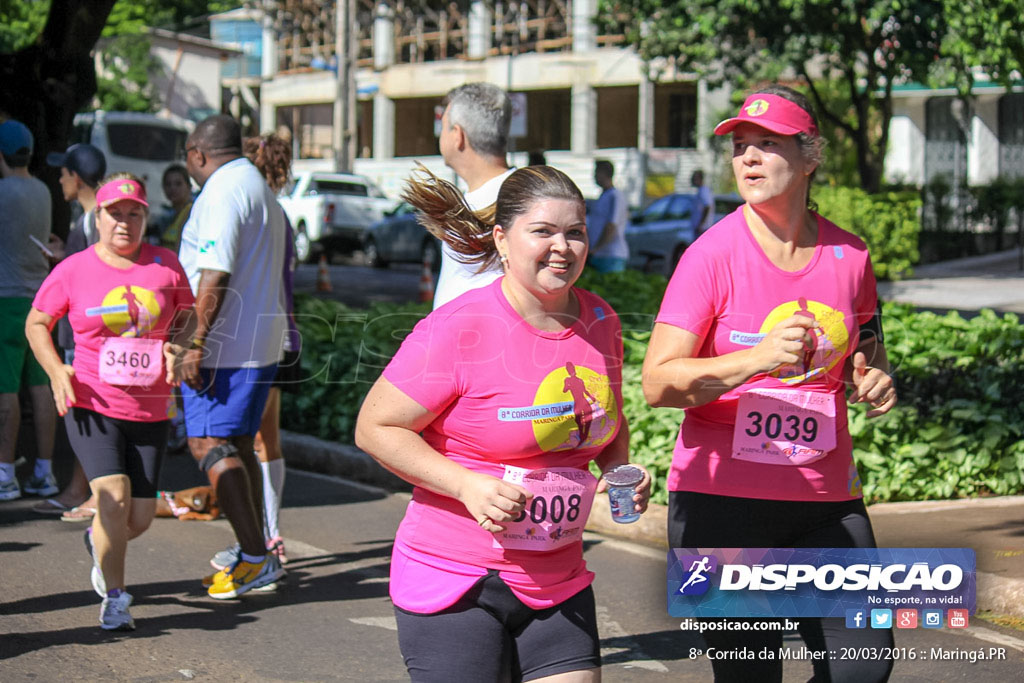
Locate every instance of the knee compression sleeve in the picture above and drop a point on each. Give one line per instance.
(216, 454)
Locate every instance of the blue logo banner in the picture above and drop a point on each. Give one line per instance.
(818, 582)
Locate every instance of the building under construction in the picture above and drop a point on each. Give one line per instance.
(585, 95)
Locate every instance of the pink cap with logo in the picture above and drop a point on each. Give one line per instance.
(123, 189)
(775, 113)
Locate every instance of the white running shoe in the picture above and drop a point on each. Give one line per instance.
(114, 615)
(45, 485)
(10, 490)
(96, 575)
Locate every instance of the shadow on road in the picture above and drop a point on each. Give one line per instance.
(315, 579)
(17, 547)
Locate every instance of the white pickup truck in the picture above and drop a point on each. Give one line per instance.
(330, 212)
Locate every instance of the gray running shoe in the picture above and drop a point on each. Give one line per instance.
(96, 575)
(42, 486)
(114, 615)
(227, 557)
(10, 490)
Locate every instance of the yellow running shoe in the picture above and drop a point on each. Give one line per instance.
(243, 577)
(210, 579)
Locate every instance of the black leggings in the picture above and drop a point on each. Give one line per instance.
(106, 445)
(699, 520)
(490, 635)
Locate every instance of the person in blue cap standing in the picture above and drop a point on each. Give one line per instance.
(25, 217)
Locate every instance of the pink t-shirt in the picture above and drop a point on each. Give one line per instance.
(505, 393)
(727, 292)
(101, 302)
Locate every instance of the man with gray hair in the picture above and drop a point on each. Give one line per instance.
(474, 140)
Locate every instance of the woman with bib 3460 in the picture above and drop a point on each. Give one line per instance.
(482, 409)
(124, 299)
(770, 315)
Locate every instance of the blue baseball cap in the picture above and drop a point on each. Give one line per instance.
(15, 138)
(82, 158)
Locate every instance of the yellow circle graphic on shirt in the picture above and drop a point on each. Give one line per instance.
(582, 408)
(130, 311)
(823, 346)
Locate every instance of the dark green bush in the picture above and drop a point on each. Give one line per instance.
(888, 222)
(344, 350)
(958, 430)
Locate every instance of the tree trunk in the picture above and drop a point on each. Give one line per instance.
(46, 83)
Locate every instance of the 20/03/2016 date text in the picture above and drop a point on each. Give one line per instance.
(971, 655)
(923, 653)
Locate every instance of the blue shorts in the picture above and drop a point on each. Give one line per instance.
(229, 404)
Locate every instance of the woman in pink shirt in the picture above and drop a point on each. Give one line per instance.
(480, 410)
(769, 317)
(124, 299)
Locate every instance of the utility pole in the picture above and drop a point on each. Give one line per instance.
(345, 96)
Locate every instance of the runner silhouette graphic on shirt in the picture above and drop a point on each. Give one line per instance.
(139, 316)
(810, 339)
(697, 570)
(582, 409)
(133, 309)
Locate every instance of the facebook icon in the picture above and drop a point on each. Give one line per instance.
(856, 618)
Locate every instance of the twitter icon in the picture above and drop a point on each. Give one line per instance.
(881, 618)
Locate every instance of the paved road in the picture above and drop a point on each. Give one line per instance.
(332, 619)
(991, 281)
(360, 286)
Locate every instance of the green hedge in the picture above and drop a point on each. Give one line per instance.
(888, 222)
(958, 431)
(959, 428)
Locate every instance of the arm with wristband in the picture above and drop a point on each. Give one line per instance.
(186, 359)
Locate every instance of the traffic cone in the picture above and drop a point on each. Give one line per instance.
(323, 277)
(426, 283)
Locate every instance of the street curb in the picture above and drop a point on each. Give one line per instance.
(1000, 596)
(994, 593)
(342, 460)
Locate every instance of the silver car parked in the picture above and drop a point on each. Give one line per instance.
(399, 238)
(658, 235)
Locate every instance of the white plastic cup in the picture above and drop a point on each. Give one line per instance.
(622, 482)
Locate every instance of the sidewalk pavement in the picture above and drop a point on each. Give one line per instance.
(993, 527)
(991, 281)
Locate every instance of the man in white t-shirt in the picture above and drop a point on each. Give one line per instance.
(474, 140)
(607, 223)
(233, 251)
(705, 207)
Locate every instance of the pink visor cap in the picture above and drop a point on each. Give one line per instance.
(121, 190)
(775, 113)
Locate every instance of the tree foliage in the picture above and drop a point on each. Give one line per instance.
(49, 76)
(20, 23)
(125, 82)
(867, 46)
(987, 36)
(47, 69)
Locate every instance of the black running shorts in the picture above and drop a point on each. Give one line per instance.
(700, 520)
(106, 445)
(490, 635)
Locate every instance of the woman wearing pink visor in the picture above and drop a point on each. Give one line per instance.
(770, 316)
(124, 299)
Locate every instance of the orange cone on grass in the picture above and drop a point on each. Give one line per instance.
(426, 283)
(323, 277)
